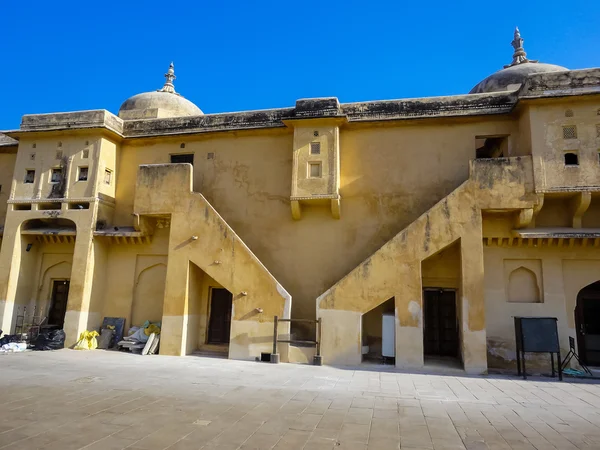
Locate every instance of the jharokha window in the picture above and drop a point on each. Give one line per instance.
(56, 176)
(83, 174)
(29, 176)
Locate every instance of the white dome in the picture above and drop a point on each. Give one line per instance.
(159, 104)
(516, 72)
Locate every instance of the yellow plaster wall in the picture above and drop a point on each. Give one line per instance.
(202, 302)
(564, 272)
(7, 168)
(591, 218)
(385, 183)
(45, 151)
(149, 289)
(107, 160)
(55, 264)
(125, 263)
(196, 282)
(199, 235)
(395, 269)
(442, 270)
(303, 185)
(554, 213)
(548, 145)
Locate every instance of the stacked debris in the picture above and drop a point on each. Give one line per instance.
(142, 340)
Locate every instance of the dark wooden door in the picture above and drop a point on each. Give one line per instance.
(587, 324)
(440, 326)
(220, 316)
(58, 303)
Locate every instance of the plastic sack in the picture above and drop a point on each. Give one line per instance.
(8, 338)
(87, 341)
(152, 328)
(139, 336)
(13, 347)
(106, 335)
(50, 340)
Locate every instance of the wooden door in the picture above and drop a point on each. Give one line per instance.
(440, 324)
(58, 303)
(220, 316)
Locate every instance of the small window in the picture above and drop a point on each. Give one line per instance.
(210, 155)
(56, 176)
(182, 145)
(571, 159)
(59, 154)
(570, 132)
(315, 133)
(180, 159)
(59, 144)
(314, 170)
(569, 113)
(83, 174)
(34, 145)
(32, 156)
(598, 131)
(85, 154)
(599, 156)
(491, 147)
(315, 148)
(107, 176)
(29, 176)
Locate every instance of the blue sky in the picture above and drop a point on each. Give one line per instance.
(232, 56)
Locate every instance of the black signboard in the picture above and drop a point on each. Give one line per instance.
(537, 335)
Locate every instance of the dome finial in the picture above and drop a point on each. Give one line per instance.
(519, 56)
(170, 76)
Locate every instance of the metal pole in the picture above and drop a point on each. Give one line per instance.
(275, 335)
(319, 337)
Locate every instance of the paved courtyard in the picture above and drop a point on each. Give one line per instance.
(109, 400)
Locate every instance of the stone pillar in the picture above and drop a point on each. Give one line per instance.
(409, 318)
(10, 264)
(80, 289)
(472, 298)
(341, 336)
(173, 334)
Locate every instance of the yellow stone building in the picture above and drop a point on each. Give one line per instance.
(449, 214)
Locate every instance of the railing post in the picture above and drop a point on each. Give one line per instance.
(318, 359)
(275, 355)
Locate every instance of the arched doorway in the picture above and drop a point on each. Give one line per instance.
(587, 324)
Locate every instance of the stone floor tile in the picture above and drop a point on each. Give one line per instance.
(193, 403)
(354, 433)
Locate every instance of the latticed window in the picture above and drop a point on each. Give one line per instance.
(315, 148)
(570, 132)
(569, 113)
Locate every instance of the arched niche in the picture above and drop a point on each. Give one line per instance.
(56, 271)
(523, 286)
(149, 294)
